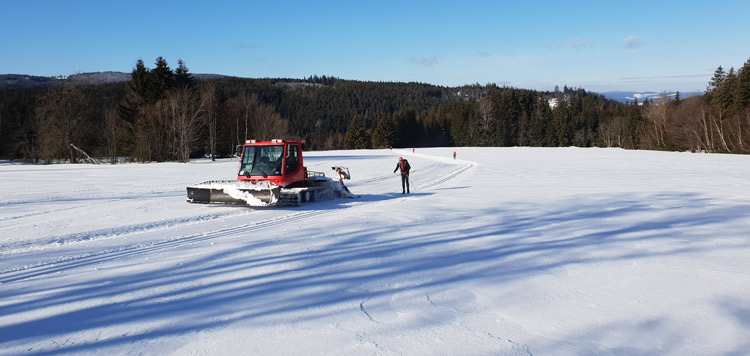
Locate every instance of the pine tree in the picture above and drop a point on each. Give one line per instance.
(633, 125)
(182, 76)
(384, 134)
(561, 125)
(722, 97)
(717, 81)
(540, 120)
(741, 89)
(407, 128)
(356, 134)
(162, 79)
(140, 81)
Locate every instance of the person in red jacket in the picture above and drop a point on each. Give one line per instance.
(404, 166)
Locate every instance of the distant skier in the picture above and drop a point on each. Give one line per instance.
(404, 166)
(454, 155)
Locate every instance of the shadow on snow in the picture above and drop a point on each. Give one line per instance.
(252, 284)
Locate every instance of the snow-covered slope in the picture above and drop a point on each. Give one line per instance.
(510, 251)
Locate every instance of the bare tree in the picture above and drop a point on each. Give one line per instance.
(185, 121)
(611, 131)
(719, 123)
(47, 136)
(241, 111)
(742, 117)
(249, 106)
(253, 120)
(153, 141)
(695, 128)
(60, 117)
(26, 127)
(656, 114)
(485, 114)
(232, 109)
(210, 105)
(334, 141)
(112, 133)
(268, 124)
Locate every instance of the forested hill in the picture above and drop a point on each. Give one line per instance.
(163, 114)
(22, 81)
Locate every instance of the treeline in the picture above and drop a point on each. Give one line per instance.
(166, 115)
(163, 114)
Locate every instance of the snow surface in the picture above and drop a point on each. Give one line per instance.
(505, 251)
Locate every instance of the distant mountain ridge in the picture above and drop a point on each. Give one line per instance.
(641, 96)
(24, 81)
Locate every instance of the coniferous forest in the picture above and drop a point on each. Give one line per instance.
(165, 114)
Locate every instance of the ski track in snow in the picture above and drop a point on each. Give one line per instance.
(114, 233)
(589, 252)
(63, 262)
(306, 211)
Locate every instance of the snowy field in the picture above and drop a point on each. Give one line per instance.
(505, 251)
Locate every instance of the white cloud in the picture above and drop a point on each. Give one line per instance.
(578, 43)
(574, 43)
(245, 47)
(631, 42)
(424, 61)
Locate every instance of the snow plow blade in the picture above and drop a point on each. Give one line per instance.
(232, 192)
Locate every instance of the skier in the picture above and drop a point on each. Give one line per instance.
(404, 166)
(454, 155)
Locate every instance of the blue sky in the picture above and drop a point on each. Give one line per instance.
(595, 45)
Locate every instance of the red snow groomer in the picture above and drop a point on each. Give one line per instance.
(271, 173)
